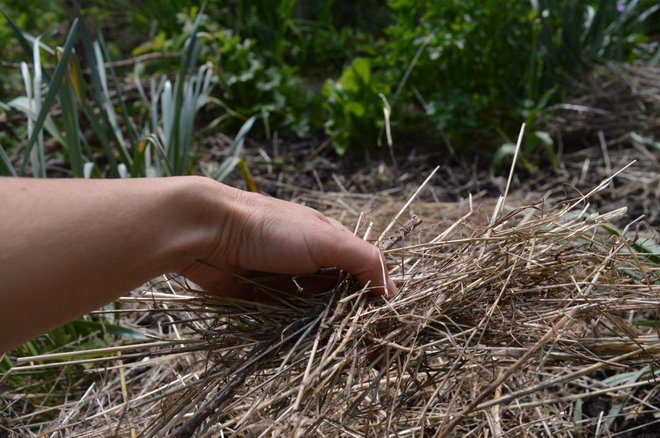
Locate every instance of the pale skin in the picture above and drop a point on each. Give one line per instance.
(69, 246)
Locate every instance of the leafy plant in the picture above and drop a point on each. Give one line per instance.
(162, 148)
(85, 333)
(475, 68)
(49, 16)
(249, 86)
(354, 108)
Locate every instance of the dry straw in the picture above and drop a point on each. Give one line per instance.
(536, 322)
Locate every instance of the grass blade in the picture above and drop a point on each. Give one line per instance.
(53, 90)
(233, 159)
(188, 60)
(7, 167)
(130, 129)
(67, 99)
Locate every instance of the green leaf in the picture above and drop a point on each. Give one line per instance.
(53, 90)
(357, 76)
(348, 81)
(27, 47)
(548, 146)
(7, 167)
(506, 151)
(621, 379)
(577, 412)
(362, 69)
(247, 176)
(647, 246)
(625, 378)
(120, 97)
(188, 60)
(355, 108)
(67, 99)
(107, 132)
(645, 141)
(233, 159)
(24, 105)
(104, 327)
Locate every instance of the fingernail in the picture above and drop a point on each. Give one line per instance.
(391, 288)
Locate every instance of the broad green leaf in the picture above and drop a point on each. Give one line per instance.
(362, 69)
(355, 108)
(348, 82)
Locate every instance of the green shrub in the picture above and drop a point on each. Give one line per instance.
(484, 68)
(248, 85)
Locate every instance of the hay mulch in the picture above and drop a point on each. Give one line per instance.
(615, 100)
(514, 318)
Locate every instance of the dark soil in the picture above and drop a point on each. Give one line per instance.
(284, 170)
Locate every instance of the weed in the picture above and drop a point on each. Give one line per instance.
(354, 108)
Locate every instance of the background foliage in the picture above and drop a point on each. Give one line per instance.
(465, 73)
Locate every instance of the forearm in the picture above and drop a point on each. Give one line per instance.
(69, 246)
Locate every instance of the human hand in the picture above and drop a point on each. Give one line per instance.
(245, 232)
(91, 240)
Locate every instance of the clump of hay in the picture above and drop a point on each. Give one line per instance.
(540, 321)
(615, 100)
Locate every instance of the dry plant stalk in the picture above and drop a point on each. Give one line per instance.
(502, 329)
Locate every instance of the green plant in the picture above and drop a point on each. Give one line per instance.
(250, 86)
(249, 82)
(476, 68)
(85, 333)
(535, 140)
(267, 22)
(66, 88)
(162, 148)
(618, 379)
(49, 16)
(354, 108)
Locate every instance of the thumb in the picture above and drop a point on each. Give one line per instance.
(357, 257)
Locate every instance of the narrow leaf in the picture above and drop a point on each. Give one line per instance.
(247, 176)
(27, 47)
(7, 167)
(53, 90)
